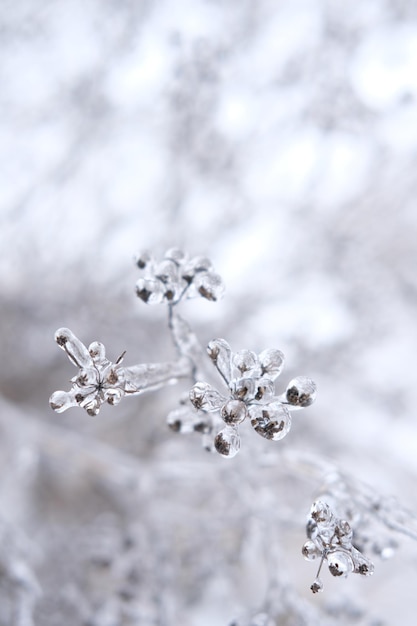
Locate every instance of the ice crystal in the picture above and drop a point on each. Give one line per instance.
(330, 538)
(176, 276)
(250, 394)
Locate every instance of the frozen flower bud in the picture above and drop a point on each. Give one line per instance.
(321, 513)
(264, 389)
(75, 349)
(97, 351)
(60, 401)
(150, 291)
(176, 255)
(220, 353)
(234, 412)
(227, 442)
(272, 362)
(243, 388)
(245, 361)
(143, 259)
(271, 421)
(203, 396)
(340, 563)
(344, 534)
(301, 392)
(310, 551)
(362, 565)
(209, 285)
(317, 586)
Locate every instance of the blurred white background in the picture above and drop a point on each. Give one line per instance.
(278, 138)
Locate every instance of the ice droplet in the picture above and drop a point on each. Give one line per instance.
(320, 512)
(227, 442)
(310, 551)
(175, 254)
(317, 586)
(150, 291)
(75, 349)
(271, 421)
(221, 354)
(167, 272)
(97, 351)
(234, 412)
(362, 565)
(301, 392)
(246, 361)
(243, 388)
(60, 401)
(204, 396)
(209, 285)
(340, 563)
(272, 362)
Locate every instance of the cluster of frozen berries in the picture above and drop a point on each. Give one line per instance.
(250, 395)
(176, 276)
(97, 381)
(330, 539)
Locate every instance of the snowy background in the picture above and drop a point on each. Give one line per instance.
(280, 139)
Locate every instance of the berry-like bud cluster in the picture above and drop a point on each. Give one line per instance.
(330, 539)
(251, 395)
(176, 276)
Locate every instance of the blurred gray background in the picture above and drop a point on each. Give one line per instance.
(277, 138)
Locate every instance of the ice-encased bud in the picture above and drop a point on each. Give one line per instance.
(344, 534)
(301, 392)
(87, 377)
(340, 563)
(243, 388)
(60, 401)
(227, 442)
(310, 551)
(75, 349)
(97, 351)
(271, 421)
(264, 389)
(245, 361)
(175, 254)
(113, 396)
(362, 565)
(321, 513)
(91, 405)
(150, 291)
(167, 271)
(203, 396)
(209, 285)
(221, 354)
(142, 259)
(272, 362)
(234, 412)
(317, 586)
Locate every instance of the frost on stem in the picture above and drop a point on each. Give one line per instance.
(251, 395)
(99, 380)
(176, 276)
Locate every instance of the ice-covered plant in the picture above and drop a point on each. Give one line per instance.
(245, 391)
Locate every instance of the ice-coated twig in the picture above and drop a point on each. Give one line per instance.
(100, 380)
